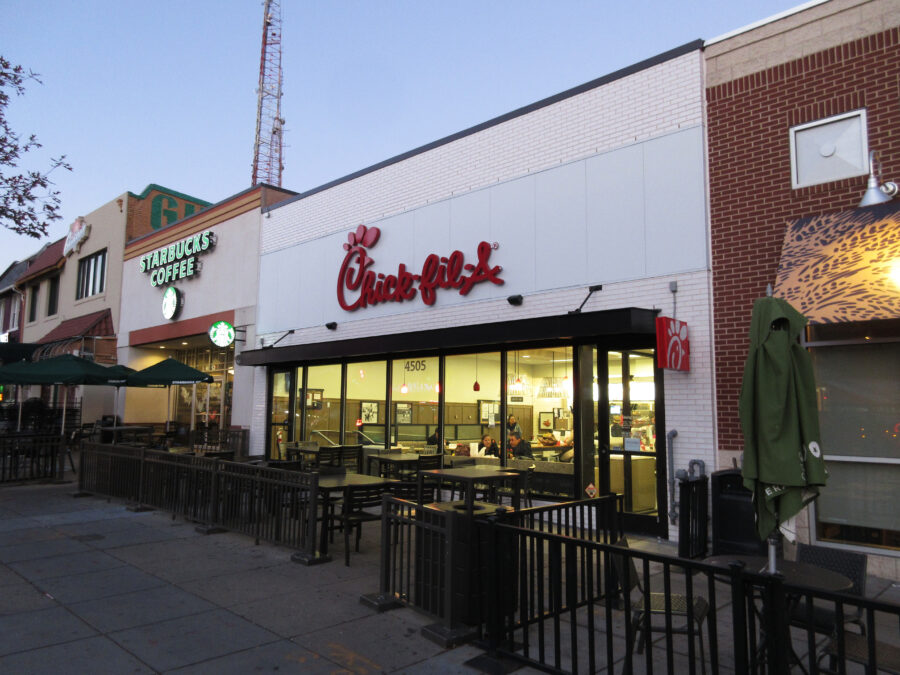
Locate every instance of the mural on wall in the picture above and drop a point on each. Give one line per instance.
(843, 266)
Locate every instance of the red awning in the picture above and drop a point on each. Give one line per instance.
(97, 324)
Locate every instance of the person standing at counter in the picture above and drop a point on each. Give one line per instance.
(518, 447)
(513, 426)
(489, 445)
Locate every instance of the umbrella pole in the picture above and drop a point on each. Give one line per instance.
(19, 394)
(773, 549)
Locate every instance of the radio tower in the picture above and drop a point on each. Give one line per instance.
(267, 164)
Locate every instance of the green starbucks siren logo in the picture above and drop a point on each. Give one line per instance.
(221, 333)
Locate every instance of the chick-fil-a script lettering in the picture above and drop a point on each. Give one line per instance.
(359, 286)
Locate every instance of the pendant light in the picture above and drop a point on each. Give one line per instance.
(403, 388)
(476, 386)
(518, 379)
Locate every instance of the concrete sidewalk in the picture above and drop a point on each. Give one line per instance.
(87, 586)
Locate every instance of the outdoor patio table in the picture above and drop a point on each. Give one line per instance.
(470, 475)
(392, 465)
(792, 572)
(334, 484)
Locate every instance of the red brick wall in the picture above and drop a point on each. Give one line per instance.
(750, 178)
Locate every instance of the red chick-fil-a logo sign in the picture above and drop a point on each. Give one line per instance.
(358, 286)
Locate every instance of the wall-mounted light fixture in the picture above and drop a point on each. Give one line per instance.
(591, 290)
(875, 193)
(331, 325)
(514, 300)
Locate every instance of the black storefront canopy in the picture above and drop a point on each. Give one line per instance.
(618, 325)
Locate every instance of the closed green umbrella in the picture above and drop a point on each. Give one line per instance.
(783, 464)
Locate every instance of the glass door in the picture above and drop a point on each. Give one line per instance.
(629, 429)
(280, 417)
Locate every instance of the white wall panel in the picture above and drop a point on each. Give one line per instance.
(615, 214)
(675, 203)
(560, 227)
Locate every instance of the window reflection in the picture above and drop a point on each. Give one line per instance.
(415, 391)
(322, 405)
(472, 402)
(366, 416)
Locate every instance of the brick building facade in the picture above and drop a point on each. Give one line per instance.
(765, 84)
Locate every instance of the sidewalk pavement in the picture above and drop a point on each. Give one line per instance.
(87, 586)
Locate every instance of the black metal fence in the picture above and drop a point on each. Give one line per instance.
(548, 587)
(26, 457)
(277, 506)
(577, 606)
(234, 442)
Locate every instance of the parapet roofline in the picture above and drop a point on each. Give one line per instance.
(687, 48)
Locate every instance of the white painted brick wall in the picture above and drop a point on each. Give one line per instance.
(655, 101)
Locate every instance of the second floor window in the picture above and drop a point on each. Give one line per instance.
(91, 275)
(53, 296)
(14, 313)
(32, 306)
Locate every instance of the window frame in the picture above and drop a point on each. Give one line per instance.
(87, 283)
(53, 296)
(34, 293)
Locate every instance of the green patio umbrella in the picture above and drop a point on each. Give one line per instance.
(166, 373)
(783, 464)
(117, 376)
(65, 369)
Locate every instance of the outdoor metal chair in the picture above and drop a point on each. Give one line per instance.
(856, 650)
(357, 501)
(351, 457)
(848, 563)
(678, 605)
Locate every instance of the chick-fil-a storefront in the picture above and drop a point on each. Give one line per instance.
(505, 282)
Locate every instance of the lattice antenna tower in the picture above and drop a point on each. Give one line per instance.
(267, 161)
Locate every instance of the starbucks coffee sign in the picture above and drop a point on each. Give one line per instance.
(178, 260)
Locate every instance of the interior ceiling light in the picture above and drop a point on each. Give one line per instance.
(476, 386)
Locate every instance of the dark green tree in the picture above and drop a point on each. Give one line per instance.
(28, 204)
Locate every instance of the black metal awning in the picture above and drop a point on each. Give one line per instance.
(618, 325)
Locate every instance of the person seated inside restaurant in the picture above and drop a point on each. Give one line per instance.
(435, 439)
(519, 447)
(512, 425)
(488, 446)
(567, 451)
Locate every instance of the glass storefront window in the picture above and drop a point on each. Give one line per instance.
(859, 416)
(415, 391)
(472, 401)
(366, 405)
(539, 402)
(297, 421)
(322, 405)
(211, 405)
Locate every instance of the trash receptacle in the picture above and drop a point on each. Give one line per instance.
(733, 523)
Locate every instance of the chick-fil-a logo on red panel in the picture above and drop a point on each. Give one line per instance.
(358, 286)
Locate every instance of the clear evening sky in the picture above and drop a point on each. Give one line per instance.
(165, 92)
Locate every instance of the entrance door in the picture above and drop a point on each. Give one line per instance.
(630, 456)
(280, 417)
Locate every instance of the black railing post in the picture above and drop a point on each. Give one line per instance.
(385, 598)
(775, 625)
(139, 506)
(739, 617)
